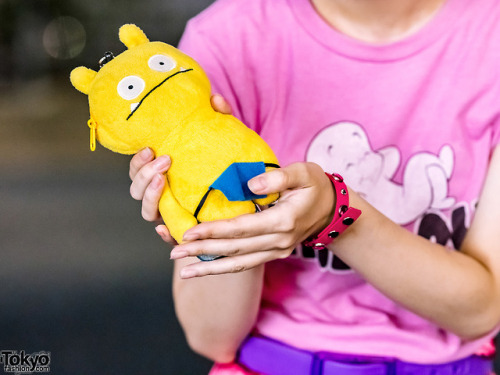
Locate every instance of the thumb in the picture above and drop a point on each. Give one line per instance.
(220, 104)
(294, 176)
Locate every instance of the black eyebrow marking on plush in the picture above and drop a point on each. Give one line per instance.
(154, 88)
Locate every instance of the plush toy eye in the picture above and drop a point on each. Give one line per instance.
(130, 87)
(161, 63)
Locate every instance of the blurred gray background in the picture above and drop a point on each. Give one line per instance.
(81, 274)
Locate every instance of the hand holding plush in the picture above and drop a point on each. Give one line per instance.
(153, 95)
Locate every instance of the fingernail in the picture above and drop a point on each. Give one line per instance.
(157, 180)
(162, 234)
(191, 236)
(146, 153)
(178, 254)
(257, 184)
(186, 273)
(159, 230)
(162, 162)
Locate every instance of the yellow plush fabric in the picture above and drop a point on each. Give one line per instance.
(153, 95)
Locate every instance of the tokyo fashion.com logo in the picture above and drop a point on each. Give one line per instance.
(22, 363)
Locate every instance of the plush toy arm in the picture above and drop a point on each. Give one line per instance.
(176, 218)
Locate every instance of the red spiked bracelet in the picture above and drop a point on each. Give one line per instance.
(343, 216)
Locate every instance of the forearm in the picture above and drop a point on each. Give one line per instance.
(451, 288)
(217, 312)
(458, 290)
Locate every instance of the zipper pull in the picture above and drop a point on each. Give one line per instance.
(92, 125)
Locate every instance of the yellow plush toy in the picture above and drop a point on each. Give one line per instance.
(153, 95)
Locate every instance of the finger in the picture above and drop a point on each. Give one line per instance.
(165, 234)
(139, 160)
(152, 197)
(220, 104)
(298, 175)
(229, 264)
(235, 247)
(146, 174)
(272, 220)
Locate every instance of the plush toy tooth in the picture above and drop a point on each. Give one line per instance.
(133, 106)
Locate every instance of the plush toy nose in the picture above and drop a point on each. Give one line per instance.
(108, 56)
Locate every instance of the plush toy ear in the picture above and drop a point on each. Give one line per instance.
(132, 36)
(82, 78)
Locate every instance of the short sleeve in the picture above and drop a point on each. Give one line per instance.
(216, 62)
(495, 141)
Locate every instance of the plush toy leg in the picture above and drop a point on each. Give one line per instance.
(217, 207)
(176, 218)
(267, 200)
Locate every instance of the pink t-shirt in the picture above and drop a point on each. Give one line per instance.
(410, 125)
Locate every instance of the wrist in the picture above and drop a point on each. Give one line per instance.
(341, 217)
(329, 203)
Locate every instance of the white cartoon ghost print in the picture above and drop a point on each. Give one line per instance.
(344, 148)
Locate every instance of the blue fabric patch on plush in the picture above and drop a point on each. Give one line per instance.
(233, 181)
